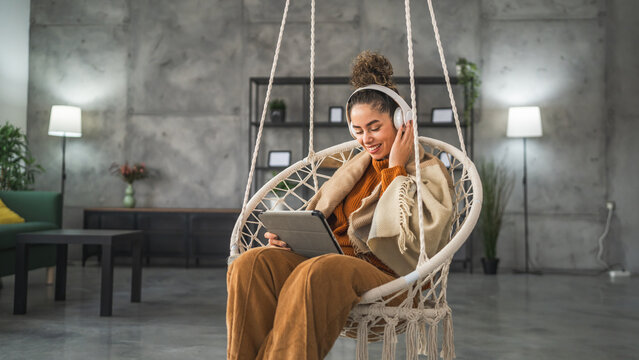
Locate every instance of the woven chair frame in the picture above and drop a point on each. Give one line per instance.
(418, 297)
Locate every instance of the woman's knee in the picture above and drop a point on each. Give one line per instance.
(249, 258)
(323, 268)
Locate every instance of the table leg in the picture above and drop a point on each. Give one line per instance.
(61, 272)
(21, 279)
(106, 291)
(136, 274)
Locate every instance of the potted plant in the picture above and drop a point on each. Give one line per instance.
(278, 110)
(497, 184)
(17, 165)
(468, 74)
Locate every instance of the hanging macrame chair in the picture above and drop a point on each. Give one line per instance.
(372, 319)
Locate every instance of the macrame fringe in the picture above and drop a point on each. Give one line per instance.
(405, 205)
(448, 348)
(362, 339)
(390, 339)
(423, 344)
(432, 341)
(412, 340)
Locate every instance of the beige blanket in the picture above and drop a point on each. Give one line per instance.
(388, 226)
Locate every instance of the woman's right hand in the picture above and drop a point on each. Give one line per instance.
(274, 240)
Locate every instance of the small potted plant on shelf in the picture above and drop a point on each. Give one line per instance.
(497, 184)
(17, 166)
(278, 110)
(468, 74)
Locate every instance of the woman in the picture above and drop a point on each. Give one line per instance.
(282, 305)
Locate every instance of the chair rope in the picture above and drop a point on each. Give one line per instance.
(311, 149)
(442, 59)
(418, 172)
(247, 191)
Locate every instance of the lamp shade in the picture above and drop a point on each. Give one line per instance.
(524, 121)
(65, 121)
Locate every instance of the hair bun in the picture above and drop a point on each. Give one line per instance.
(372, 68)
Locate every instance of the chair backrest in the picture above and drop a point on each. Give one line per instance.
(294, 186)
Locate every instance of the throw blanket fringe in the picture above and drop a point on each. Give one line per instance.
(405, 204)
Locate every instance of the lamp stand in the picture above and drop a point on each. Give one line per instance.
(64, 174)
(525, 183)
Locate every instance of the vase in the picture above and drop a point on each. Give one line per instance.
(278, 115)
(129, 200)
(490, 265)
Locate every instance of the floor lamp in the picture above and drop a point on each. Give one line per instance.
(524, 122)
(65, 121)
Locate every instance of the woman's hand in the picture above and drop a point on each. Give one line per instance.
(274, 240)
(402, 146)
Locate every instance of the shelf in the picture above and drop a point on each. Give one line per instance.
(298, 124)
(345, 80)
(293, 124)
(270, 167)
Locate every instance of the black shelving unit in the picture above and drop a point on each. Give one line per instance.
(255, 111)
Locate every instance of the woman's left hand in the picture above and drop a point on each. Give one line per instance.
(402, 146)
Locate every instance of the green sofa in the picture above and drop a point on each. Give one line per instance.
(41, 210)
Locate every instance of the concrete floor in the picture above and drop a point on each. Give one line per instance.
(182, 317)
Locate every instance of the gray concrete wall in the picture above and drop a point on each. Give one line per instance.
(167, 83)
(14, 62)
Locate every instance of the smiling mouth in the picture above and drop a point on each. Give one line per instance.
(373, 149)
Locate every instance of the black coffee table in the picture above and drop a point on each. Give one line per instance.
(62, 238)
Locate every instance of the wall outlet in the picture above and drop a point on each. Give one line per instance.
(618, 273)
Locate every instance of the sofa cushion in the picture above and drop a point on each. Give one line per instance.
(8, 232)
(7, 216)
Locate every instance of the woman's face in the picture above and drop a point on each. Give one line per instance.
(373, 130)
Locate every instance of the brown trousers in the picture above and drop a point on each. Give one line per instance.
(282, 305)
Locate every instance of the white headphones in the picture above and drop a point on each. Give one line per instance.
(402, 114)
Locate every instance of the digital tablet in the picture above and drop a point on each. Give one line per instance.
(306, 232)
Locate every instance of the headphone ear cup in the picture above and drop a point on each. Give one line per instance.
(398, 118)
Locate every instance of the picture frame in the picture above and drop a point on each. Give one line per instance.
(279, 158)
(335, 114)
(441, 116)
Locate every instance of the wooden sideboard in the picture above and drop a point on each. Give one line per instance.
(190, 234)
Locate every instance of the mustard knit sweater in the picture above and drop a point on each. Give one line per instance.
(377, 172)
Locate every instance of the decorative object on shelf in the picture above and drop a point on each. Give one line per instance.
(335, 114)
(278, 110)
(17, 166)
(129, 174)
(442, 116)
(525, 122)
(497, 184)
(65, 121)
(445, 159)
(279, 158)
(284, 185)
(468, 74)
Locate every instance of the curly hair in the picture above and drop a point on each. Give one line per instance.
(372, 68)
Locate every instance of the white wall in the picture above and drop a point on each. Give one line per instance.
(14, 61)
